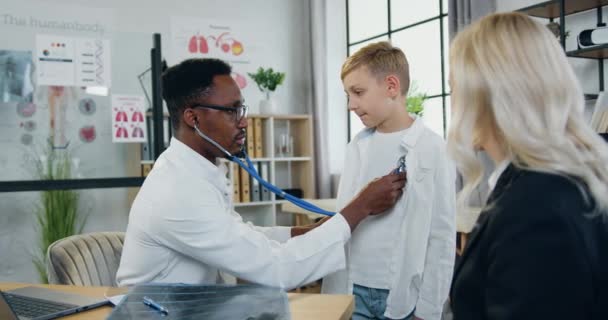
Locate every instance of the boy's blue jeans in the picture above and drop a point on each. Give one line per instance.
(370, 303)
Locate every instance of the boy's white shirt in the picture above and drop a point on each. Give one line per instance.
(421, 276)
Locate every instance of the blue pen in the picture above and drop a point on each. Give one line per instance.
(152, 304)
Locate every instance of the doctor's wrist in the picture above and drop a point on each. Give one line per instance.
(353, 213)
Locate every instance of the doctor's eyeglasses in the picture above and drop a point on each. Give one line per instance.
(238, 113)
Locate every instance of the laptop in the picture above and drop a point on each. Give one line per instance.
(6, 312)
(34, 303)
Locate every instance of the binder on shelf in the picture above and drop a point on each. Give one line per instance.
(236, 185)
(250, 138)
(255, 190)
(264, 170)
(146, 167)
(257, 138)
(245, 196)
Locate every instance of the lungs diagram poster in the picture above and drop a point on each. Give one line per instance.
(222, 39)
(128, 118)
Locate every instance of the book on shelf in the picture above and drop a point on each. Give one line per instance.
(250, 138)
(244, 180)
(265, 174)
(255, 188)
(257, 138)
(236, 184)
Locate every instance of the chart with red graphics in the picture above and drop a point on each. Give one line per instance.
(206, 38)
(128, 118)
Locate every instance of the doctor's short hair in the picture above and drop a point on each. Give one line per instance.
(188, 81)
(381, 59)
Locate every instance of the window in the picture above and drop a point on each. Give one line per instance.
(420, 29)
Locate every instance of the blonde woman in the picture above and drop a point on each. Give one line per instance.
(539, 250)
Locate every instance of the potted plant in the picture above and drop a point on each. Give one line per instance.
(415, 101)
(57, 214)
(267, 80)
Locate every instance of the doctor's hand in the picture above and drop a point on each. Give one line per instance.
(377, 197)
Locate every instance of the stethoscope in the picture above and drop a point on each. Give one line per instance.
(401, 166)
(250, 168)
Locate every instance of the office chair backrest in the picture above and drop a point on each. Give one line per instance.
(85, 260)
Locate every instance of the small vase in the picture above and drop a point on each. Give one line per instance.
(268, 106)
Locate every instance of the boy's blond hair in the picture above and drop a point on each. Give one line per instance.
(381, 59)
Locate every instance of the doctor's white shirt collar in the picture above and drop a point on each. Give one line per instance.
(216, 172)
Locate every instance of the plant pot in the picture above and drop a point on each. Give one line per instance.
(268, 106)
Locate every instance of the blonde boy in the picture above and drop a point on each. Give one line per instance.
(399, 264)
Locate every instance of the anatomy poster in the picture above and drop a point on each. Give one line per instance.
(128, 118)
(65, 61)
(226, 39)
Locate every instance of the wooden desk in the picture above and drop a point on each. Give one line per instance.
(302, 306)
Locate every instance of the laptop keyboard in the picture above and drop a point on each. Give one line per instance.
(32, 308)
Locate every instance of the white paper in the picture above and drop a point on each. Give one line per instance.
(93, 66)
(128, 118)
(55, 60)
(115, 300)
(65, 61)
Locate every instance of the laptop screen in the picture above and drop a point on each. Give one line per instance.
(5, 309)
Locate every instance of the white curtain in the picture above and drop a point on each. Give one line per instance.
(460, 14)
(319, 109)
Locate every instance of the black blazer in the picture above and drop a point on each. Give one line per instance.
(534, 254)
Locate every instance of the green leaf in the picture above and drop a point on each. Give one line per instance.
(415, 100)
(267, 79)
(57, 215)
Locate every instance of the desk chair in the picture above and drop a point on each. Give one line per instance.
(86, 259)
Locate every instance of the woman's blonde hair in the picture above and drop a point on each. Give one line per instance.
(511, 79)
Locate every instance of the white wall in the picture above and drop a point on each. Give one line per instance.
(336, 53)
(130, 24)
